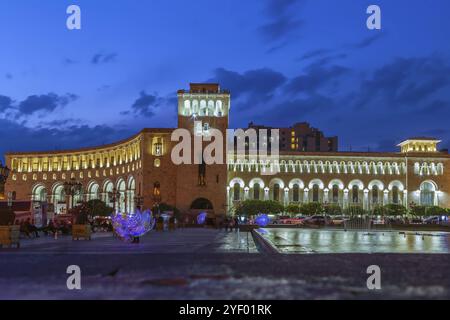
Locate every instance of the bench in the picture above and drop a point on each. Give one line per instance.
(83, 231)
(9, 235)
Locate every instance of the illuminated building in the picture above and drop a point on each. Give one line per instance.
(141, 168)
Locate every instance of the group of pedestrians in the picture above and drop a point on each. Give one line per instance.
(230, 224)
(52, 228)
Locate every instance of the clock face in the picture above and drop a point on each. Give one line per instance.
(201, 128)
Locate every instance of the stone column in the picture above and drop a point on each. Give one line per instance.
(385, 197)
(246, 193)
(346, 191)
(306, 195)
(286, 196)
(326, 193)
(366, 199)
(266, 193)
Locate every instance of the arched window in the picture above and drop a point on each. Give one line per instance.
(395, 197)
(236, 192)
(335, 193)
(276, 192)
(427, 194)
(375, 191)
(256, 189)
(316, 193)
(40, 194)
(355, 195)
(296, 193)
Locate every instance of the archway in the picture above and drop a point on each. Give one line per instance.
(202, 204)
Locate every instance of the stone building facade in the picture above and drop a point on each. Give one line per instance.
(140, 170)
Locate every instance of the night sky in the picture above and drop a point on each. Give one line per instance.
(285, 61)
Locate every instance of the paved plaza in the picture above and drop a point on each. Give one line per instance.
(208, 264)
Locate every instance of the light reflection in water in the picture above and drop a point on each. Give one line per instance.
(337, 241)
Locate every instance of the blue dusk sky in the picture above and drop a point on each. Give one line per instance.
(285, 61)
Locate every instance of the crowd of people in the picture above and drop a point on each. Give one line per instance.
(55, 227)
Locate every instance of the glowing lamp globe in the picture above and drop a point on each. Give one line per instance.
(201, 218)
(262, 220)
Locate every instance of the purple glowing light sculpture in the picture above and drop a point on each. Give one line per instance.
(128, 226)
(201, 218)
(262, 220)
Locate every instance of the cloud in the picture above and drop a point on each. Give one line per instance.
(315, 53)
(144, 105)
(46, 102)
(435, 106)
(316, 77)
(19, 137)
(405, 82)
(5, 103)
(281, 22)
(368, 41)
(298, 108)
(68, 62)
(101, 58)
(279, 28)
(258, 83)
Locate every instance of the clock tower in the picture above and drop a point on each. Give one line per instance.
(202, 187)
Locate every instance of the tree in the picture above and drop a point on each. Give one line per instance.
(312, 208)
(435, 211)
(395, 210)
(98, 208)
(418, 211)
(354, 211)
(293, 208)
(333, 210)
(254, 207)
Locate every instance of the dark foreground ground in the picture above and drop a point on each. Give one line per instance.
(210, 264)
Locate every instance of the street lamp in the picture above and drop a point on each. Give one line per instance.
(4, 173)
(71, 188)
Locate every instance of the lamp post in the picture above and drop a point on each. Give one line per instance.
(71, 188)
(114, 195)
(4, 173)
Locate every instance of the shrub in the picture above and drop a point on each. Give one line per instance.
(293, 208)
(333, 210)
(435, 211)
(418, 211)
(312, 208)
(395, 210)
(254, 207)
(354, 211)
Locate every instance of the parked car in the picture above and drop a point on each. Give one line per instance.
(432, 220)
(280, 219)
(318, 220)
(291, 221)
(416, 221)
(338, 220)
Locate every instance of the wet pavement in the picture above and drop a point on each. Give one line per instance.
(209, 264)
